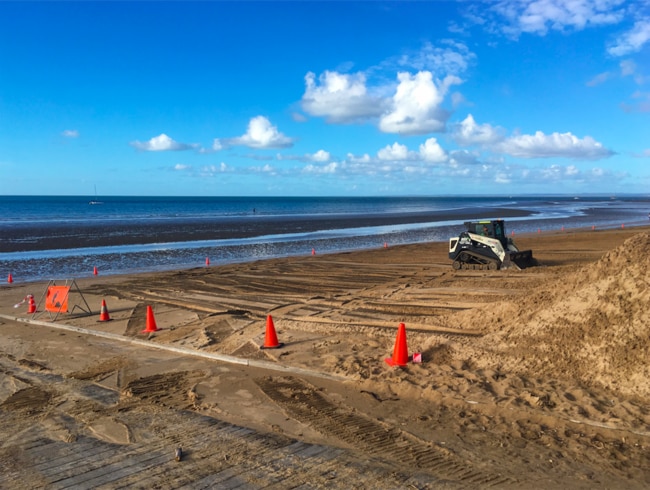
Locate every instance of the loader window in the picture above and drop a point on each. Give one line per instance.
(500, 234)
(485, 229)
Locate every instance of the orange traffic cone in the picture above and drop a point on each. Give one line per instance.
(10, 279)
(32, 305)
(313, 251)
(151, 322)
(95, 271)
(207, 261)
(400, 351)
(271, 338)
(103, 313)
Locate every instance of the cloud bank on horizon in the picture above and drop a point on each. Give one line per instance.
(417, 120)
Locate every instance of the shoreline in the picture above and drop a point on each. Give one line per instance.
(523, 241)
(62, 236)
(119, 260)
(116, 243)
(27, 239)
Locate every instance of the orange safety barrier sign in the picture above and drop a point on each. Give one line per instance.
(56, 299)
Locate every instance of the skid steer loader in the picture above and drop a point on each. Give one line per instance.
(484, 245)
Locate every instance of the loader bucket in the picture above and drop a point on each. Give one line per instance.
(520, 259)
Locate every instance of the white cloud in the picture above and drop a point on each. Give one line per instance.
(572, 170)
(330, 168)
(396, 152)
(557, 172)
(161, 143)
(204, 171)
(540, 16)
(465, 168)
(468, 133)
(407, 104)
(260, 134)
(564, 145)
(463, 158)
(217, 145)
(266, 169)
(598, 172)
(365, 158)
(210, 170)
(431, 151)
(641, 102)
(537, 177)
(416, 105)
(339, 97)
(598, 79)
(70, 133)
(457, 99)
(633, 40)
(452, 57)
(628, 67)
(298, 117)
(502, 178)
(320, 156)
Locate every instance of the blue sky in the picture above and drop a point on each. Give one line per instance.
(325, 98)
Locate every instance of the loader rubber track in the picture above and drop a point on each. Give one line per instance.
(472, 261)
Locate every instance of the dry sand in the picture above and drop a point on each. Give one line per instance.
(529, 379)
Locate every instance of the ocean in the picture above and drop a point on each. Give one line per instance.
(64, 237)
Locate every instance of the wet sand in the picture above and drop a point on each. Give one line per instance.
(529, 379)
(27, 238)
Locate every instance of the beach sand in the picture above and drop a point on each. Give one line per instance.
(529, 379)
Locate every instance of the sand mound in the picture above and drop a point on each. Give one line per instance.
(592, 325)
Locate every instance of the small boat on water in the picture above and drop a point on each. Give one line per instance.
(95, 201)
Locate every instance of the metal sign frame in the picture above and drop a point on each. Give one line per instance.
(72, 286)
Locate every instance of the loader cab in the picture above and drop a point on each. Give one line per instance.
(489, 228)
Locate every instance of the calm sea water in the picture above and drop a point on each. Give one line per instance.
(61, 237)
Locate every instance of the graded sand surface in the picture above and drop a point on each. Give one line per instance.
(529, 379)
